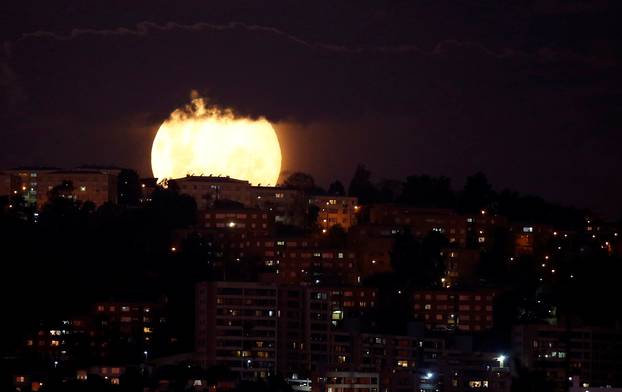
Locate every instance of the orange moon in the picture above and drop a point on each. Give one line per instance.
(198, 140)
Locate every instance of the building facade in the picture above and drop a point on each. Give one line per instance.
(96, 186)
(461, 310)
(335, 210)
(236, 326)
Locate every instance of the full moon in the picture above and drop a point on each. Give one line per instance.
(199, 140)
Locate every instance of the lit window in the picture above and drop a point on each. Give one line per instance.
(83, 188)
(402, 363)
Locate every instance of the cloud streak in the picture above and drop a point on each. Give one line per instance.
(145, 28)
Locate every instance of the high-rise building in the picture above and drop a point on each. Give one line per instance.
(304, 330)
(562, 351)
(236, 326)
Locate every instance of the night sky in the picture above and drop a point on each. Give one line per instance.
(529, 92)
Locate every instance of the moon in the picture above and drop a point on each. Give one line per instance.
(198, 140)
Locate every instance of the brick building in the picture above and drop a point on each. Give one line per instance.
(454, 310)
(236, 326)
(422, 221)
(335, 210)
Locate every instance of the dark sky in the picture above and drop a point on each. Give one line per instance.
(529, 92)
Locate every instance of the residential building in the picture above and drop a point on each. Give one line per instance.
(236, 326)
(96, 186)
(207, 189)
(236, 219)
(335, 210)
(25, 182)
(421, 221)
(461, 266)
(562, 351)
(448, 309)
(287, 206)
(351, 382)
(304, 325)
(531, 238)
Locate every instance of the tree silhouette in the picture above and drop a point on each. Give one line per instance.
(362, 187)
(336, 188)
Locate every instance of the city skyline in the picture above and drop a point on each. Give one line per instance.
(350, 196)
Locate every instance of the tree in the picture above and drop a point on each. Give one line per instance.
(173, 209)
(336, 188)
(300, 181)
(362, 187)
(128, 187)
(477, 193)
(63, 190)
(426, 191)
(389, 190)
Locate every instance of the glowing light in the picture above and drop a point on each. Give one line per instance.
(202, 140)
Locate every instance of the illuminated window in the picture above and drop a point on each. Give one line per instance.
(402, 363)
(20, 379)
(528, 229)
(55, 343)
(147, 330)
(83, 188)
